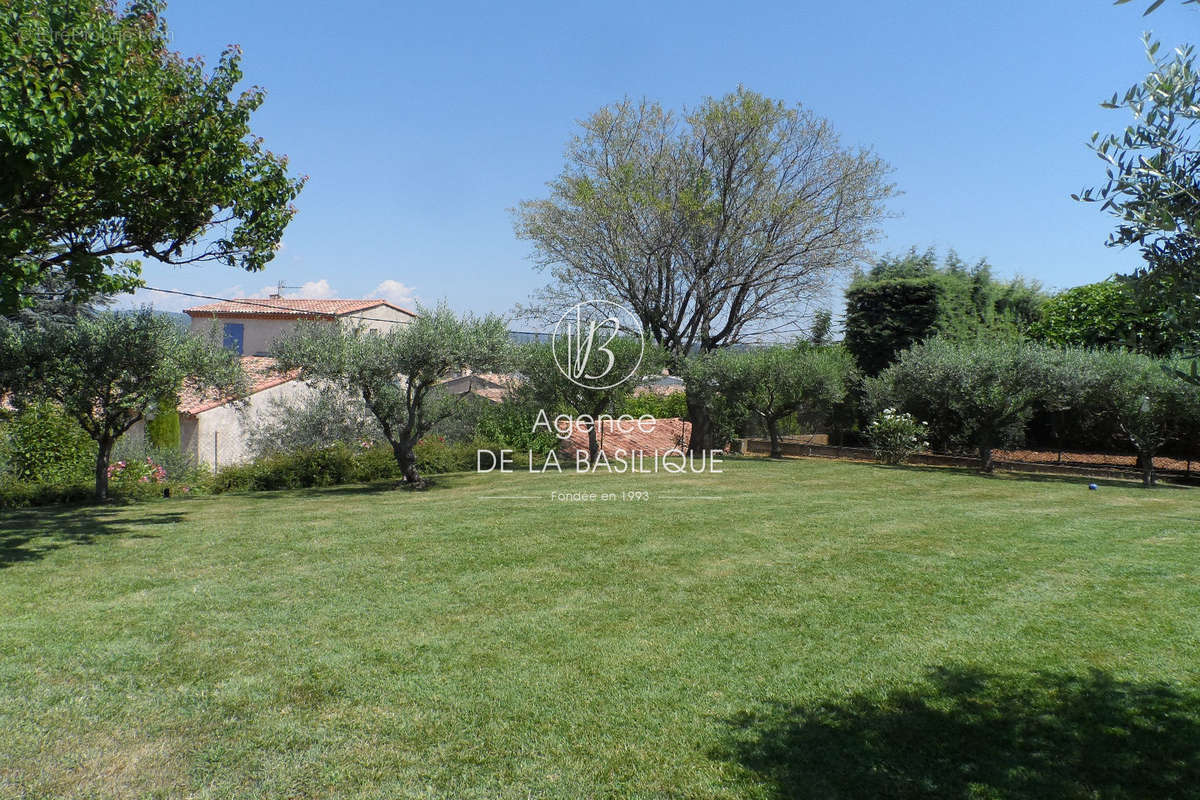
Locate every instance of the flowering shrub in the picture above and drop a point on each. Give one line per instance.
(134, 479)
(129, 472)
(895, 437)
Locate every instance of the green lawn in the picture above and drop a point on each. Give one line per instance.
(820, 629)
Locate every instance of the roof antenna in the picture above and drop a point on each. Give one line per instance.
(278, 293)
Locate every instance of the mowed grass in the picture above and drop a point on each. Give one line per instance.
(820, 629)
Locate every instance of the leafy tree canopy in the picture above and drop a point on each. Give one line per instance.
(546, 384)
(112, 145)
(1104, 314)
(714, 225)
(779, 381)
(1149, 407)
(395, 371)
(108, 371)
(979, 393)
(903, 300)
(1153, 184)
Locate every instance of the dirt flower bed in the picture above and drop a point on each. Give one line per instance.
(1089, 459)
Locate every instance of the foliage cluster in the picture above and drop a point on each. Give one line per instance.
(108, 371)
(901, 301)
(341, 463)
(42, 444)
(114, 146)
(983, 394)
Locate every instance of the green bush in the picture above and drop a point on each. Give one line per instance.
(509, 425)
(44, 445)
(659, 406)
(324, 466)
(979, 393)
(233, 478)
(374, 461)
(1104, 314)
(328, 417)
(24, 494)
(180, 467)
(162, 430)
(435, 455)
(338, 464)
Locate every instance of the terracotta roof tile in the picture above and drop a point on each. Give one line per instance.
(288, 307)
(261, 374)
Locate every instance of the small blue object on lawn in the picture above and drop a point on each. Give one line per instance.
(1093, 486)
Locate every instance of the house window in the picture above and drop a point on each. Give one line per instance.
(235, 335)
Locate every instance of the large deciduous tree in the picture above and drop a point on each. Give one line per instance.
(395, 371)
(112, 145)
(108, 370)
(714, 225)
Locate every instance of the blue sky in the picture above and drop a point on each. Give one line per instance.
(421, 125)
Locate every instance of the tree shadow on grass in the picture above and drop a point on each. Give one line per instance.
(30, 535)
(972, 734)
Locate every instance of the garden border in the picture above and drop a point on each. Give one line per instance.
(794, 449)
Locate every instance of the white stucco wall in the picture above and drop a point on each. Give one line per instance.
(259, 333)
(217, 436)
(377, 316)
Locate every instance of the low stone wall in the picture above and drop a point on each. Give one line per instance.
(794, 449)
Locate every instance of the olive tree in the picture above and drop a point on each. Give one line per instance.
(1070, 380)
(395, 371)
(115, 146)
(546, 384)
(107, 371)
(979, 393)
(318, 420)
(715, 225)
(1153, 184)
(779, 381)
(1149, 406)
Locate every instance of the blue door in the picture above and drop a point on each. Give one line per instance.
(235, 334)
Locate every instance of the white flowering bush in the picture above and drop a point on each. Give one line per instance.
(895, 437)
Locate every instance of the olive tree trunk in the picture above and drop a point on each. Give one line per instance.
(773, 432)
(701, 419)
(406, 459)
(985, 458)
(104, 446)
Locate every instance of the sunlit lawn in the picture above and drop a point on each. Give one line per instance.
(819, 629)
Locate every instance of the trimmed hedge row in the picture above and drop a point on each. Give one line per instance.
(339, 464)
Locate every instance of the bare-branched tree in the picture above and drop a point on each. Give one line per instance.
(715, 225)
